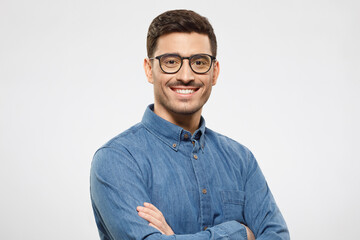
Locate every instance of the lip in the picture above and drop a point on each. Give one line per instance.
(185, 91)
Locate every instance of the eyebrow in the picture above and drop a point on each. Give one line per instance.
(177, 53)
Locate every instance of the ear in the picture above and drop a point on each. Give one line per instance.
(148, 70)
(216, 72)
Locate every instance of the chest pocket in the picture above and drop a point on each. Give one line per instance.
(233, 205)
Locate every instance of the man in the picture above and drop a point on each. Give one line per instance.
(170, 177)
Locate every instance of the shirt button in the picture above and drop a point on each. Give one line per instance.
(195, 156)
(186, 136)
(204, 191)
(174, 145)
(205, 228)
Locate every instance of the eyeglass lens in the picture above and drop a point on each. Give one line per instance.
(200, 63)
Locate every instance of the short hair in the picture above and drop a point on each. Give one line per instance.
(186, 21)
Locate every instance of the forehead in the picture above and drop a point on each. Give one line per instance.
(185, 44)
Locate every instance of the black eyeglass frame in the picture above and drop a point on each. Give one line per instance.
(182, 58)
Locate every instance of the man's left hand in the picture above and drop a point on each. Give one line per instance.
(155, 218)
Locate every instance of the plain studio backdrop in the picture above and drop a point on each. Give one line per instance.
(71, 78)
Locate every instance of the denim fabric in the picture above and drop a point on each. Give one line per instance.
(205, 184)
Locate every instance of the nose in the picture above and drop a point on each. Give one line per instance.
(185, 73)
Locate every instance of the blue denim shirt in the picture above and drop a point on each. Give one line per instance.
(205, 184)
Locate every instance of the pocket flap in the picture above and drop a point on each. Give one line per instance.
(233, 197)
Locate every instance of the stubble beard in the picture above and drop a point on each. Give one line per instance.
(182, 108)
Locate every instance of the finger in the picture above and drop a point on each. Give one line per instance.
(249, 233)
(150, 218)
(152, 207)
(150, 212)
(152, 225)
(146, 210)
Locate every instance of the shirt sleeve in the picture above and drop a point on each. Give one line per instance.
(117, 187)
(262, 214)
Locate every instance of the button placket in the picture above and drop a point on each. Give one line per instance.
(196, 157)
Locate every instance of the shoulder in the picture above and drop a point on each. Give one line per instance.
(231, 151)
(226, 143)
(118, 155)
(123, 145)
(131, 135)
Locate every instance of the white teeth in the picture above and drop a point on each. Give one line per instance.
(184, 91)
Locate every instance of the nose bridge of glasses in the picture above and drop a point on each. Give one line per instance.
(189, 63)
(186, 68)
(185, 58)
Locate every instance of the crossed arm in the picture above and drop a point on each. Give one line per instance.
(157, 220)
(117, 188)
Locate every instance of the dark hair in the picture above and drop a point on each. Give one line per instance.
(179, 21)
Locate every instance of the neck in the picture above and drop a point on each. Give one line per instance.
(189, 122)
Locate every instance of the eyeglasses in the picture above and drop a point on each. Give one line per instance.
(171, 63)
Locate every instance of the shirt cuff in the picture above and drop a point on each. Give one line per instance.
(231, 229)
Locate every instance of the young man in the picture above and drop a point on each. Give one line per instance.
(170, 177)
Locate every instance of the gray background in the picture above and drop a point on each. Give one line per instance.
(71, 78)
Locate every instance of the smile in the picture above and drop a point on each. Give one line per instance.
(185, 91)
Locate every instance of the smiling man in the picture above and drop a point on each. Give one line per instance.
(182, 87)
(170, 177)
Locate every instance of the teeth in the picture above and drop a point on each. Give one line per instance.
(184, 91)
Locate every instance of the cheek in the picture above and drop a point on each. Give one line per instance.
(156, 78)
(207, 81)
(161, 79)
(160, 85)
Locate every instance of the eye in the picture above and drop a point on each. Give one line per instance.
(170, 61)
(198, 62)
(201, 61)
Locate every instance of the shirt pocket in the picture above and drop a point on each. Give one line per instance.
(233, 202)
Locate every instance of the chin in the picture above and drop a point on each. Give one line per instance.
(186, 110)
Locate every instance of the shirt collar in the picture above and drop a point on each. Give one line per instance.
(168, 132)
